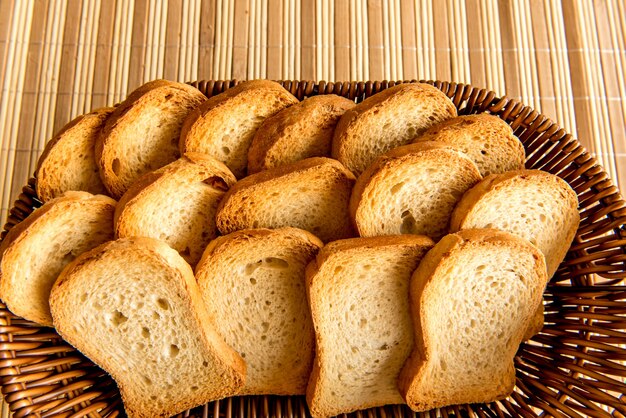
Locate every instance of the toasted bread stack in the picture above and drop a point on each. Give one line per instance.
(363, 254)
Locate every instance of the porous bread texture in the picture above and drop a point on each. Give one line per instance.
(485, 138)
(536, 324)
(358, 293)
(386, 120)
(224, 125)
(133, 307)
(533, 204)
(37, 249)
(176, 204)
(301, 131)
(411, 190)
(473, 296)
(142, 133)
(311, 194)
(253, 286)
(68, 161)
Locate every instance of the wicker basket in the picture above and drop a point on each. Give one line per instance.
(574, 367)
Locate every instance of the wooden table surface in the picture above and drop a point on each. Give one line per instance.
(59, 59)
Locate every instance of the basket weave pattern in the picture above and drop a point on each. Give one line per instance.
(574, 367)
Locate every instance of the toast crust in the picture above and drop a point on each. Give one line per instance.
(362, 243)
(222, 243)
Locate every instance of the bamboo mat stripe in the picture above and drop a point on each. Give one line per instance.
(59, 58)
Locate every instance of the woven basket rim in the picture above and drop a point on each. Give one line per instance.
(42, 377)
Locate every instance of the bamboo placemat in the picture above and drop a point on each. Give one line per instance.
(62, 58)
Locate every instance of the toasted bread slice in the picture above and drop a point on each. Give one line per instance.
(68, 161)
(533, 204)
(298, 132)
(387, 120)
(358, 292)
(252, 283)
(36, 250)
(485, 138)
(142, 133)
(472, 297)
(311, 194)
(176, 204)
(224, 125)
(133, 307)
(412, 190)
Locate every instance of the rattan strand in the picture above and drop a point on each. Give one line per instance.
(574, 367)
